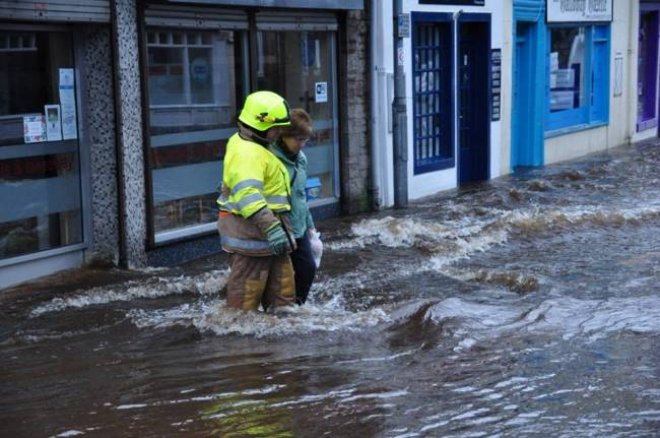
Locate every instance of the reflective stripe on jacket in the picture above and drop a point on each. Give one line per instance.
(255, 178)
(243, 236)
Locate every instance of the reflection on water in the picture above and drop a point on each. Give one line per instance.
(527, 306)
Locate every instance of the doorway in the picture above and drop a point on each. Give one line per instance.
(474, 97)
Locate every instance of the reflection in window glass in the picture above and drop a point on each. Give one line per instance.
(39, 181)
(567, 65)
(166, 76)
(193, 78)
(293, 64)
(647, 66)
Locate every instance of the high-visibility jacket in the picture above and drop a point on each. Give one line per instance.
(257, 183)
(256, 179)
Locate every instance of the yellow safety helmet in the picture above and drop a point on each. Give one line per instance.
(265, 109)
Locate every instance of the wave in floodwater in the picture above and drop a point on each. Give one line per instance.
(450, 241)
(475, 234)
(208, 283)
(567, 318)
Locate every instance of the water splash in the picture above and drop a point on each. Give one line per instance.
(204, 284)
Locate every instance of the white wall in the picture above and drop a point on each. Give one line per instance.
(507, 91)
(382, 71)
(433, 182)
(623, 109)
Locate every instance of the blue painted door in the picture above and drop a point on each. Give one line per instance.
(474, 97)
(526, 123)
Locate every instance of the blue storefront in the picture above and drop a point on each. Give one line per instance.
(561, 73)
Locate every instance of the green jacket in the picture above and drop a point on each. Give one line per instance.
(301, 218)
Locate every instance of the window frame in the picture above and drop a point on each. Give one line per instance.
(437, 163)
(597, 82)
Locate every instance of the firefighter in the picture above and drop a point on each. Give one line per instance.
(253, 223)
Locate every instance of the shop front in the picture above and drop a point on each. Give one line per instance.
(647, 67)
(44, 150)
(454, 63)
(561, 77)
(199, 64)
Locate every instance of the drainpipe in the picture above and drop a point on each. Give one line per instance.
(400, 128)
(632, 65)
(376, 73)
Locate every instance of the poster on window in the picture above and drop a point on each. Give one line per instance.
(572, 11)
(53, 123)
(68, 104)
(34, 129)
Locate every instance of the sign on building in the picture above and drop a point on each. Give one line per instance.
(567, 11)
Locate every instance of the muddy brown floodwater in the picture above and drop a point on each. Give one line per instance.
(527, 306)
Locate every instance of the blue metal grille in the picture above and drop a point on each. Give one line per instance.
(432, 96)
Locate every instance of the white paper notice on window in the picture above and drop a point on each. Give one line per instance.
(554, 61)
(34, 129)
(68, 104)
(321, 92)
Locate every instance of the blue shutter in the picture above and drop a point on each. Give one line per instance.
(529, 10)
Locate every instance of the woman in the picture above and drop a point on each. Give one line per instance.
(289, 150)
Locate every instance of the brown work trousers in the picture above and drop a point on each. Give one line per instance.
(260, 280)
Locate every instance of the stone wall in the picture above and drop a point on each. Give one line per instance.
(355, 97)
(131, 155)
(100, 140)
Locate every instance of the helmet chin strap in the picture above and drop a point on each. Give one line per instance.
(249, 134)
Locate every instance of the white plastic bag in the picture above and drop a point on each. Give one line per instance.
(317, 247)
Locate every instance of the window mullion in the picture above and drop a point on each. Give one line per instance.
(186, 76)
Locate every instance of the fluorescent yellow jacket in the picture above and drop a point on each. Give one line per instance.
(256, 179)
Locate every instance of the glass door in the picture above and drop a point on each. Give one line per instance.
(300, 65)
(40, 186)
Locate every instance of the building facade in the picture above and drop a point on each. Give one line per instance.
(455, 64)
(114, 114)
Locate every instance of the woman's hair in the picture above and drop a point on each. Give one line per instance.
(301, 124)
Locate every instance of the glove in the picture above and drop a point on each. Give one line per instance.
(279, 242)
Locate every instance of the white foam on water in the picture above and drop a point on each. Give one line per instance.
(131, 406)
(69, 433)
(204, 284)
(288, 320)
(214, 317)
(455, 240)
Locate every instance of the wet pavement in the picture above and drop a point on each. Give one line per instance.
(527, 306)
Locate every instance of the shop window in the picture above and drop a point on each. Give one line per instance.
(432, 95)
(194, 83)
(578, 76)
(647, 74)
(300, 67)
(39, 155)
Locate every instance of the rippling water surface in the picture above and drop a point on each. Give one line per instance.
(526, 306)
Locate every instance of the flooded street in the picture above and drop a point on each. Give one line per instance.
(528, 306)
